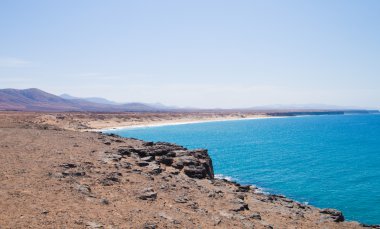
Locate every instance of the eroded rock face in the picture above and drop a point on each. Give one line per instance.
(334, 214)
(194, 163)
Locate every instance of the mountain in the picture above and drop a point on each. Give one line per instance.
(34, 99)
(90, 99)
(157, 106)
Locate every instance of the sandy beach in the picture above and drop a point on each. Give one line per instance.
(108, 121)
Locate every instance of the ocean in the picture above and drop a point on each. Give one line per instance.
(330, 161)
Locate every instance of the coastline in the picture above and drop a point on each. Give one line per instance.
(87, 177)
(180, 122)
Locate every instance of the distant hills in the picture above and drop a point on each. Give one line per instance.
(90, 99)
(157, 106)
(34, 99)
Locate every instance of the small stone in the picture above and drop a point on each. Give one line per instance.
(84, 189)
(255, 216)
(104, 201)
(45, 212)
(182, 199)
(244, 188)
(148, 158)
(239, 205)
(111, 178)
(94, 225)
(148, 194)
(142, 163)
(68, 165)
(150, 226)
(154, 169)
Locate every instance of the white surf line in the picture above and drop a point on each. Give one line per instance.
(185, 123)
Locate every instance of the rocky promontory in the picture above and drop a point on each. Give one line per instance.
(55, 178)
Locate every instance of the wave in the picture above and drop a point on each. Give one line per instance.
(257, 189)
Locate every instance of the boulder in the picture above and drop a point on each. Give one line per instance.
(334, 214)
(195, 172)
(165, 160)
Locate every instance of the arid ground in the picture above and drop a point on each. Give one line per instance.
(53, 176)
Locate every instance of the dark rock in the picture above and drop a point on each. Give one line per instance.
(370, 226)
(150, 226)
(244, 188)
(107, 143)
(45, 212)
(178, 165)
(215, 194)
(136, 171)
(148, 194)
(165, 160)
(335, 215)
(104, 201)
(154, 169)
(141, 152)
(115, 157)
(142, 163)
(239, 205)
(195, 172)
(256, 216)
(113, 135)
(148, 143)
(171, 154)
(74, 173)
(125, 151)
(148, 158)
(111, 178)
(240, 196)
(188, 160)
(182, 199)
(84, 189)
(126, 165)
(68, 165)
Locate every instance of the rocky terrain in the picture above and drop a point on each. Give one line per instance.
(56, 178)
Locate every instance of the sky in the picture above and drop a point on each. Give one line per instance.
(206, 54)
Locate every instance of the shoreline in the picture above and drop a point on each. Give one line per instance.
(175, 123)
(219, 176)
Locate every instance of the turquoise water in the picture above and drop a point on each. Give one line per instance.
(326, 161)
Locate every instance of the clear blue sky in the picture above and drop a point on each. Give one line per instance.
(195, 53)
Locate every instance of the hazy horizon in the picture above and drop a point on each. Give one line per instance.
(195, 54)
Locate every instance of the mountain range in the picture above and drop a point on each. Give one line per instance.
(34, 99)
